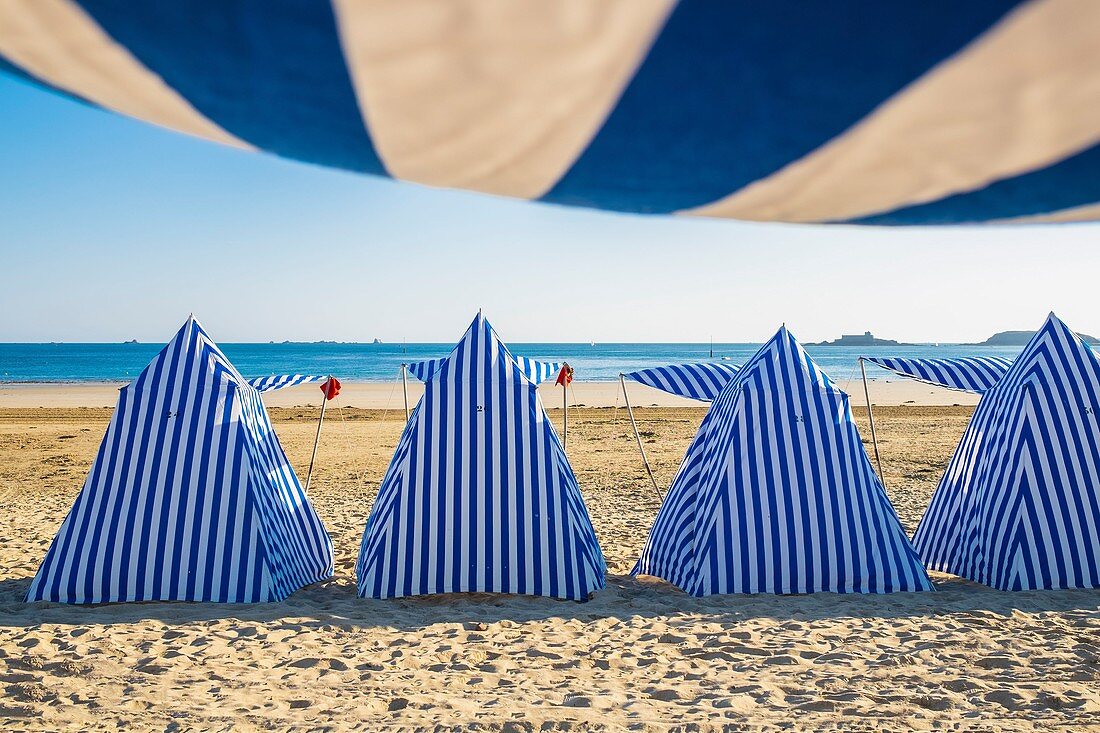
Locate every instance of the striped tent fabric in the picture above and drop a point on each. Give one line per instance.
(858, 111)
(190, 497)
(975, 374)
(535, 371)
(776, 495)
(479, 495)
(538, 371)
(695, 381)
(1018, 507)
(272, 383)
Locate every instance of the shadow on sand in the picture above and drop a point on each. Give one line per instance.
(334, 603)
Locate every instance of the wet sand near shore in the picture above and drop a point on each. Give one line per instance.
(641, 655)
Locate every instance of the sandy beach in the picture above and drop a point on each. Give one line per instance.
(388, 395)
(641, 655)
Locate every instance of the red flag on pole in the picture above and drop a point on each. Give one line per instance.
(565, 376)
(331, 387)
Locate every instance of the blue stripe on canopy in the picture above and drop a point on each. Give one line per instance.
(968, 374)
(272, 383)
(190, 497)
(1018, 507)
(707, 91)
(694, 381)
(479, 495)
(273, 76)
(776, 494)
(536, 371)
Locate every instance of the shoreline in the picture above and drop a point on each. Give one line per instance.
(387, 395)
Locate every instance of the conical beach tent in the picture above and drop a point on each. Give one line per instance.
(190, 497)
(776, 494)
(1018, 507)
(479, 495)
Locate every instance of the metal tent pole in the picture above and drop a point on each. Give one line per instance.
(638, 437)
(405, 389)
(317, 439)
(871, 418)
(565, 416)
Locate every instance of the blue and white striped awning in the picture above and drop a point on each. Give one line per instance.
(969, 374)
(190, 497)
(479, 495)
(776, 494)
(694, 381)
(536, 371)
(857, 111)
(272, 383)
(1018, 507)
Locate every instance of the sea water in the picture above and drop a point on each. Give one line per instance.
(382, 362)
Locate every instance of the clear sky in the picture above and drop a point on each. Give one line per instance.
(111, 229)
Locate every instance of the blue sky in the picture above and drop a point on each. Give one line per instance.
(111, 229)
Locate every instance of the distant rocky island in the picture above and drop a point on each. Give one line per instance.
(1020, 338)
(864, 339)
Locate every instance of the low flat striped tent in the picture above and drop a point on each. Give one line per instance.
(776, 494)
(1018, 507)
(479, 495)
(852, 111)
(701, 382)
(279, 381)
(190, 497)
(975, 374)
(536, 371)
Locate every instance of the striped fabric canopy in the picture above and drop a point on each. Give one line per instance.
(776, 494)
(1019, 505)
(857, 111)
(272, 383)
(536, 371)
(479, 495)
(968, 374)
(694, 381)
(190, 497)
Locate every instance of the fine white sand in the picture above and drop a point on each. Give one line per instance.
(388, 396)
(640, 656)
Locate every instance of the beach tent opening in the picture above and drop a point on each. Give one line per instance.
(776, 494)
(479, 495)
(190, 497)
(1018, 507)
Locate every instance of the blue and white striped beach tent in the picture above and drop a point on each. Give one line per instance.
(190, 497)
(776, 494)
(1018, 507)
(479, 495)
(852, 111)
(975, 374)
(701, 382)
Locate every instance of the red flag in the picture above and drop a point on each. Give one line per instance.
(331, 387)
(565, 376)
